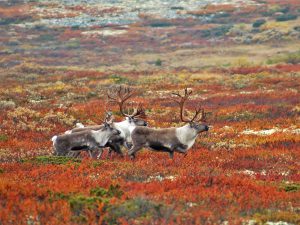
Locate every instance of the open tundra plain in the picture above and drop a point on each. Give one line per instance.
(240, 58)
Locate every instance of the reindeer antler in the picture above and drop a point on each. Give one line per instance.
(139, 111)
(109, 118)
(120, 94)
(182, 100)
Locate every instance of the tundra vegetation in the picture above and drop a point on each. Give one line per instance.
(240, 60)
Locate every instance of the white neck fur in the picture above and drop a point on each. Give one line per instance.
(101, 137)
(125, 127)
(186, 135)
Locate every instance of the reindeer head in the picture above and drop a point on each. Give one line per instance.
(197, 123)
(120, 94)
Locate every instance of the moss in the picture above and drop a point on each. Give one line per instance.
(51, 160)
(1, 170)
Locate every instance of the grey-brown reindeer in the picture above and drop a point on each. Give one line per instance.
(119, 95)
(86, 140)
(175, 139)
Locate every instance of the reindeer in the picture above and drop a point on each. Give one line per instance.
(170, 140)
(87, 140)
(119, 95)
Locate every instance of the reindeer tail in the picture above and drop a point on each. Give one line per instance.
(79, 125)
(53, 139)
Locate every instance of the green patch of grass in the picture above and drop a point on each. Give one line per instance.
(97, 163)
(293, 58)
(51, 160)
(80, 203)
(241, 116)
(1, 170)
(290, 217)
(54, 196)
(112, 191)
(138, 209)
(3, 137)
(118, 79)
(290, 187)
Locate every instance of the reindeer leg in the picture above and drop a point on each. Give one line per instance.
(181, 149)
(114, 147)
(90, 153)
(100, 153)
(93, 151)
(75, 154)
(133, 150)
(109, 153)
(171, 154)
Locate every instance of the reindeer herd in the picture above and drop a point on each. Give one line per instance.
(133, 132)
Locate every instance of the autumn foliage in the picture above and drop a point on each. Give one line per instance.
(245, 170)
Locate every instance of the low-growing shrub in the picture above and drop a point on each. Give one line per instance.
(3, 137)
(112, 191)
(289, 217)
(286, 17)
(216, 31)
(158, 62)
(161, 24)
(79, 203)
(290, 187)
(258, 23)
(138, 209)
